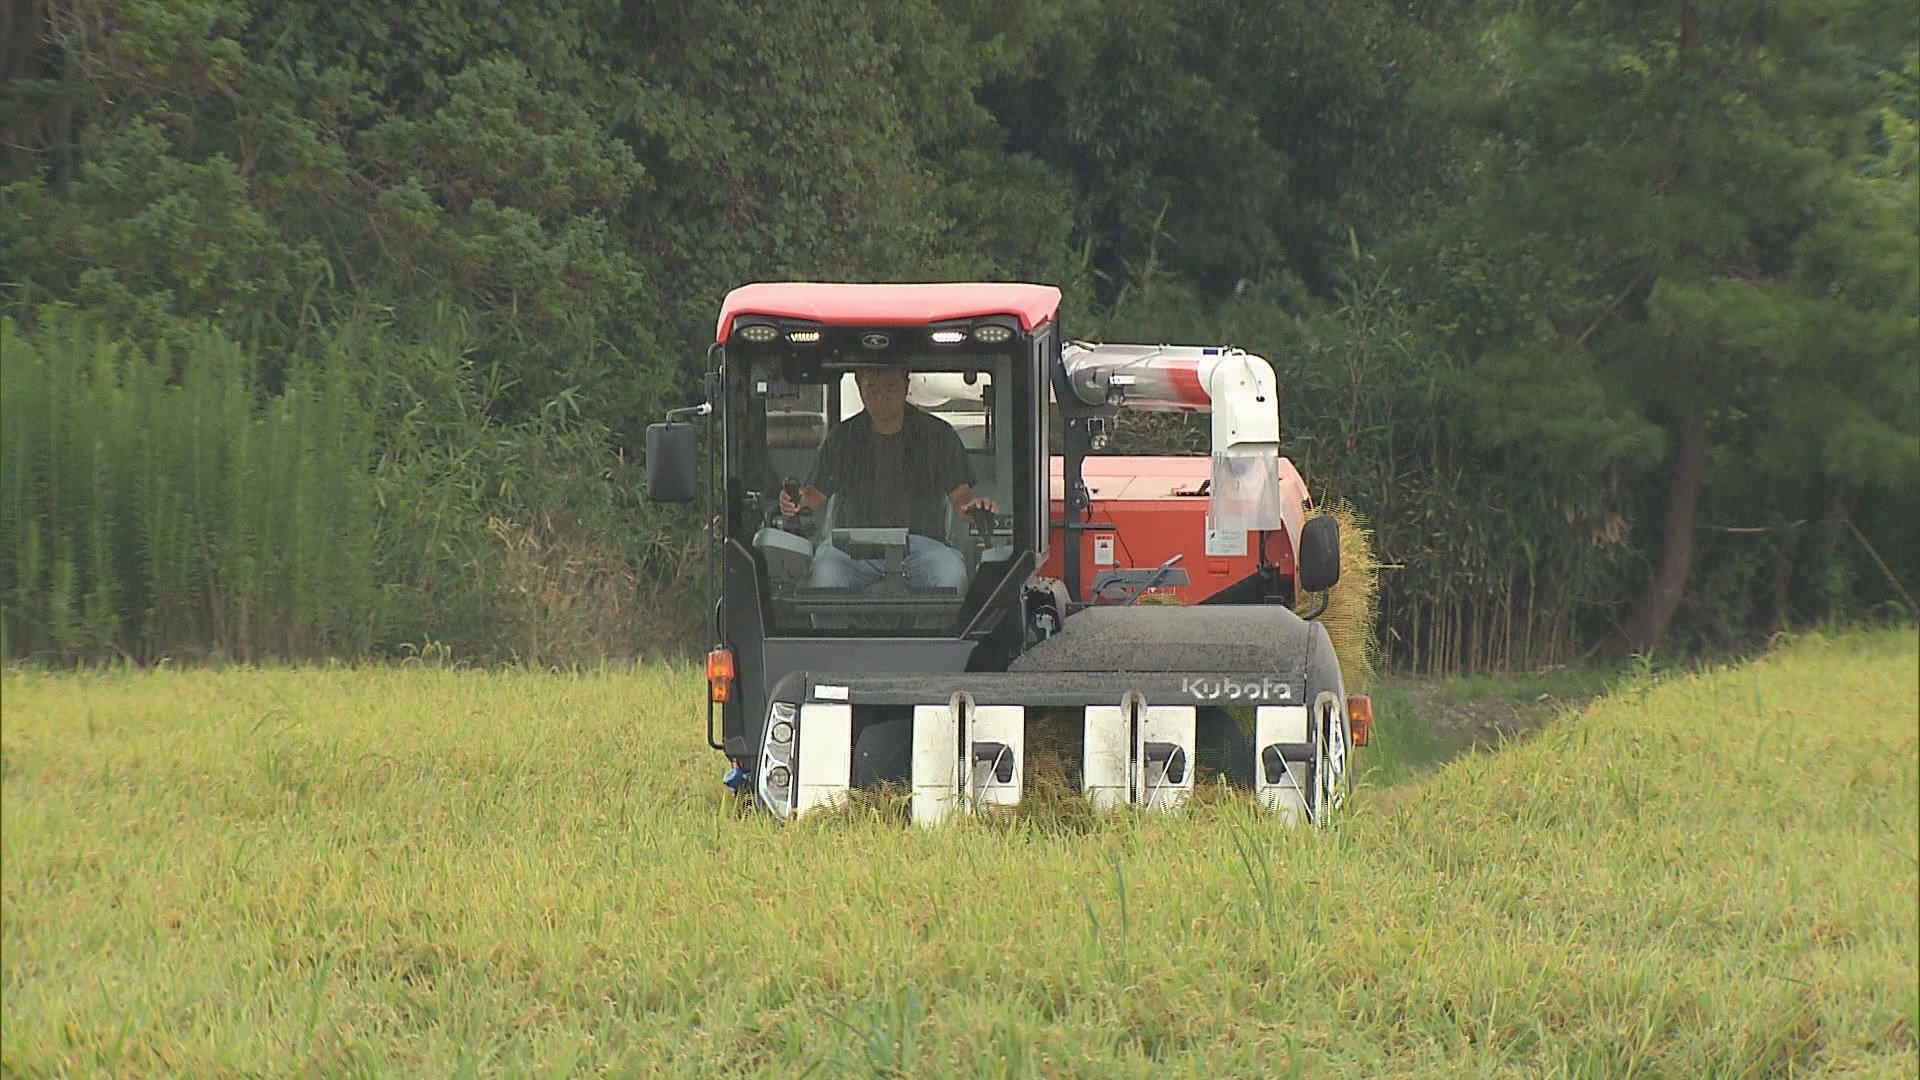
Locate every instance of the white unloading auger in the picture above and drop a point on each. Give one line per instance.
(1236, 387)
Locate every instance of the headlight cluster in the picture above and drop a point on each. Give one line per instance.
(985, 334)
(767, 333)
(776, 759)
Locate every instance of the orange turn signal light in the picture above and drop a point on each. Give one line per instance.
(1360, 718)
(720, 675)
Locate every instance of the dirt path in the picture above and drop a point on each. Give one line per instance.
(1425, 721)
(1489, 721)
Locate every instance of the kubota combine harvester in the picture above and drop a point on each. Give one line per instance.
(822, 687)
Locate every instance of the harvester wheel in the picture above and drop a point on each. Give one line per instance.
(1333, 766)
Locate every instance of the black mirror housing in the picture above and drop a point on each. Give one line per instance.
(673, 459)
(1320, 554)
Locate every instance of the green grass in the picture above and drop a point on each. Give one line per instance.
(440, 873)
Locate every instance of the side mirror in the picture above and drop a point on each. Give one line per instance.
(1319, 554)
(673, 458)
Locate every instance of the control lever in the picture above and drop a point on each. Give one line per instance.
(983, 522)
(791, 489)
(1159, 575)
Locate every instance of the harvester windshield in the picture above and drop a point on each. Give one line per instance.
(851, 483)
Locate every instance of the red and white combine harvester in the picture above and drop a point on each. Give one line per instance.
(821, 682)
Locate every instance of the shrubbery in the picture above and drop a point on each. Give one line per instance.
(173, 505)
(334, 328)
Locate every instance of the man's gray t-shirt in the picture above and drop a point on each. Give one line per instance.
(890, 481)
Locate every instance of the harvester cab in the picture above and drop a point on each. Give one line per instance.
(912, 588)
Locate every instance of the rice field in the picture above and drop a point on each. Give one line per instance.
(430, 872)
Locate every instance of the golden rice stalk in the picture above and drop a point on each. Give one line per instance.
(1352, 603)
(1050, 798)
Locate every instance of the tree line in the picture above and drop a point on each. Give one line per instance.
(330, 329)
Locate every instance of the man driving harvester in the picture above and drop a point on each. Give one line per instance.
(889, 465)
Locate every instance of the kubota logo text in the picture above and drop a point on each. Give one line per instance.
(1219, 687)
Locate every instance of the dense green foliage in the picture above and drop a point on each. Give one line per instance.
(164, 506)
(1606, 316)
(148, 506)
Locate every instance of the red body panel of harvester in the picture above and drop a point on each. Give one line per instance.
(1158, 508)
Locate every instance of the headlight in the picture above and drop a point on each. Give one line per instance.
(776, 758)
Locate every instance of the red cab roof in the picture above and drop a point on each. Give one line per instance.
(838, 304)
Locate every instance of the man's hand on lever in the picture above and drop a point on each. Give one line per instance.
(796, 498)
(966, 502)
(977, 509)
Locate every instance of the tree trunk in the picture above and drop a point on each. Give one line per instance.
(1647, 626)
(23, 34)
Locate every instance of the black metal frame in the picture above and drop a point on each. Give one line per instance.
(1076, 443)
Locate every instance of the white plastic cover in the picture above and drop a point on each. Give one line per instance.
(826, 755)
(1164, 724)
(1286, 793)
(1107, 757)
(1245, 493)
(936, 761)
(1007, 725)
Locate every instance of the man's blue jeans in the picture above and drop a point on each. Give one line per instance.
(930, 564)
